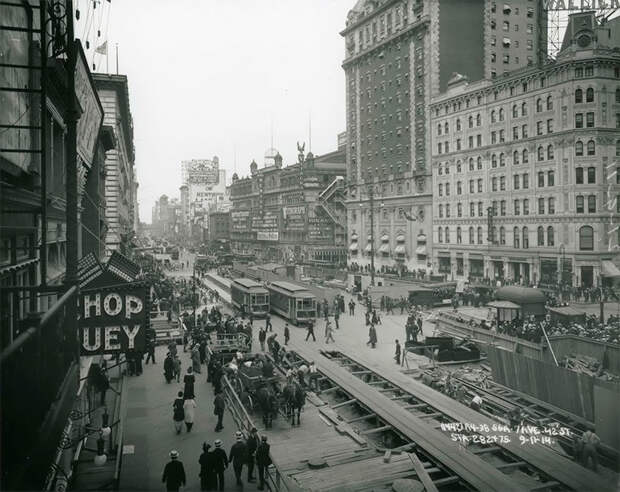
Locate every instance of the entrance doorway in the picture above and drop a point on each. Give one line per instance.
(587, 276)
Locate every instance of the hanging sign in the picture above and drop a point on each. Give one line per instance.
(113, 320)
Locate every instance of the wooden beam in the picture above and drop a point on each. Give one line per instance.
(375, 430)
(422, 473)
(430, 415)
(508, 466)
(355, 373)
(385, 390)
(329, 390)
(342, 404)
(490, 449)
(417, 405)
(363, 417)
(401, 397)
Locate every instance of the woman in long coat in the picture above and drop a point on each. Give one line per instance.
(372, 336)
(196, 359)
(189, 380)
(206, 468)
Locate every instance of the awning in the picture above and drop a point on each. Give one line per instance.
(503, 305)
(368, 248)
(353, 247)
(18, 266)
(421, 238)
(610, 270)
(385, 238)
(400, 250)
(420, 250)
(385, 248)
(400, 238)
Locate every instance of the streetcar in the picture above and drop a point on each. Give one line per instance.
(293, 302)
(249, 297)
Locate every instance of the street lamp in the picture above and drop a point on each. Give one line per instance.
(562, 250)
(371, 196)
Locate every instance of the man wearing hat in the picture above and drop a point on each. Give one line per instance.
(238, 456)
(252, 445)
(174, 472)
(220, 463)
(263, 460)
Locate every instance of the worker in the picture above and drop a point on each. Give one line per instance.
(397, 353)
(476, 403)
(590, 448)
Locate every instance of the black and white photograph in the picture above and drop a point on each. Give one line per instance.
(310, 245)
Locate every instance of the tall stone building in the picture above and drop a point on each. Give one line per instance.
(526, 168)
(398, 55)
(119, 164)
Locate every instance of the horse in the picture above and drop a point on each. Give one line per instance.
(294, 400)
(267, 402)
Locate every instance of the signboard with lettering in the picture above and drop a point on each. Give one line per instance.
(267, 236)
(294, 218)
(113, 320)
(575, 5)
(320, 229)
(240, 221)
(91, 117)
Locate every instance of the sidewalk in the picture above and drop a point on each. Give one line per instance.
(150, 434)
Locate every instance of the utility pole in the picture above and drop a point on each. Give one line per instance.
(371, 192)
(194, 292)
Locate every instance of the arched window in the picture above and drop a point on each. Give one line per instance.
(526, 156)
(578, 148)
(479, 234)
(578, 96)
(447, 234)
(440, 210)
(549, 103)
(471, 163)
(447, 171)
(502, 235)
(589, 94)
(541, 236)
(515, 237)
(440, 235)
(493, 160)
(591, 146)
(471, 122)
(459, 237)
(494, 238)
(440, 169)
(515, 111)
(515, 157)
(471, 235)
(493, 113)
(538, 105)
(579, 203)
(501, 114)
(523, 109)
(526, 238)
(550, 151)
(458, 124)
(541, 153)
(459, 166)
(479, 162)
(478, 120)
(586, 238)
(439, 128)
(440, 189)
(592, 204)
(502, 160)
(550, 236)
(446, 128)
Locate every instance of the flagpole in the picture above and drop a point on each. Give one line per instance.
(107, 61)
(116, 58)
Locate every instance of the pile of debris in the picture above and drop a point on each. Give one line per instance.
(589, 366)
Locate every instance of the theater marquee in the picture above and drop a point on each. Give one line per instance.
(113, 320)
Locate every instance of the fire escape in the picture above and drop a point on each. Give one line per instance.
(331, 202)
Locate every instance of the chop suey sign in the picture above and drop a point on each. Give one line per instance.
(113, 321)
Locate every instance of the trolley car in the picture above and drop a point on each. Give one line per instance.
(249, 296)
(293, 302)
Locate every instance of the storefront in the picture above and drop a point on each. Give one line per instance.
(549, 271)
(498, 268)
(444, 262)
(476, 267)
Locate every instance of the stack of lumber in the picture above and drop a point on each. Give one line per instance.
(589, 366)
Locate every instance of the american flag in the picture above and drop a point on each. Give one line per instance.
(123, 267)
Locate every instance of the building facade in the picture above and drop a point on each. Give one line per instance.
(525, 168)
(398, 55)
(292, 213)
(219, 226)
(119, 164)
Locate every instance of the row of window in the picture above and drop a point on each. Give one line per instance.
(520, 236)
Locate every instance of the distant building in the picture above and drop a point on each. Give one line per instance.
(219, 226)
(292, 213)
(526, 168)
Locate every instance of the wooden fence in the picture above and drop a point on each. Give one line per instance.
(608, 353)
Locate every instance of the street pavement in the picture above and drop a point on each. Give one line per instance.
(149, 429)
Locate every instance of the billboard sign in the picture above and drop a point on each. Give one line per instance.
(113, 319)
(577, 5)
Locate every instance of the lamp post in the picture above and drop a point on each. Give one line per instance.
(562, 263)
(371, 196)
(194, 290)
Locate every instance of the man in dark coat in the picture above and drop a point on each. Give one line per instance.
(262, 336)
(220, 463)
(397, 353)
(238, 456)
(174, 473)
(263, 460)
(220, 405)
(252, 446)
(310, 331)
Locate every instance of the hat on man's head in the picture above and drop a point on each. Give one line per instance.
(263, 438)
(239, 435)
(254, 429)
(174, 454)
(218, 443)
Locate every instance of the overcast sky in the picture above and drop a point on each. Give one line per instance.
(207, 77)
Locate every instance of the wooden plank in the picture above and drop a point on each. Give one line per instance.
(344, 403)
(375, 430)
(363, 417)
(422, 473)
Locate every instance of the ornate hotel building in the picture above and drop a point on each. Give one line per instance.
(399, 54)
(526, 167)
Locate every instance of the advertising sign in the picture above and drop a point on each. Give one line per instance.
(240, 221)
(320, 229)
(113, 320)
(294, 218)
(575, 5)
(91, 118)
(267, 236)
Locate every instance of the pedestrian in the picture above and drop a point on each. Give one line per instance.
(287, 334)
(238, 456)
(178, 412)
(329, 333)
(169, 373)
(196, 359)
(176, 368)
(268, 326)
(189, 380)
(172, 348)
(262, 336)
(336, 318)
(397, 353)
(103, 384)
(590, 449)
(313, 377)
(219, 406)
(310, 331)
(476, 403)
(263, 460)
(206, 468)
(252, 446)
(372, 336)
(189, 407)
(220, 463)
(174, 473)
(150, 348)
